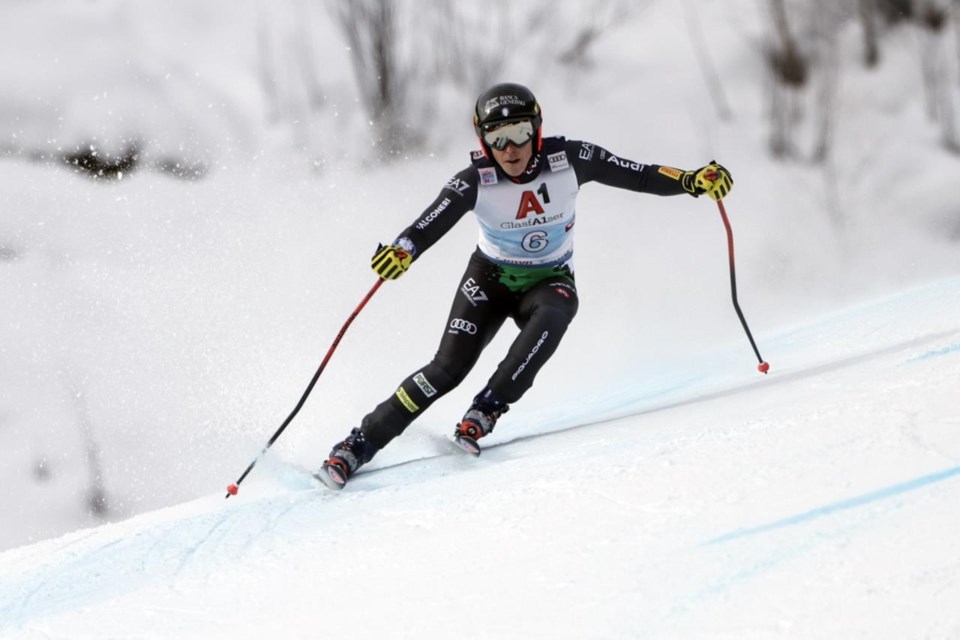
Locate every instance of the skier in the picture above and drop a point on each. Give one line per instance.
(522, 188)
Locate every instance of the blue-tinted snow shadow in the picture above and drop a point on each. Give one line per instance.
(936, 353)
(94, 570)
(761, 559)
(850, 503)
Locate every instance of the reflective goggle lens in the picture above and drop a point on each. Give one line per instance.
(519, 133)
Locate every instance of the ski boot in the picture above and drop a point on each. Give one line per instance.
(478, 421)
(345, 458)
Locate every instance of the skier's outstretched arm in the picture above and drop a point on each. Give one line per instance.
(593, 163)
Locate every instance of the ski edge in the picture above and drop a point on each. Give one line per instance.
(467, 444)
(331, 476)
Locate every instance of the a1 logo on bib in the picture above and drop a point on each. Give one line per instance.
(528, 203)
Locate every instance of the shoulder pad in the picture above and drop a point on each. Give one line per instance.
(554, 144)
(555, 149)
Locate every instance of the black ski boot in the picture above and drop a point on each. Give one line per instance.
(345, 458)
(478, 421)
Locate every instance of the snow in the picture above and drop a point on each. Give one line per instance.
(651, 485)
(813, 502)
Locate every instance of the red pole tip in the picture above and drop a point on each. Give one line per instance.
(763, 367)
(232, 489)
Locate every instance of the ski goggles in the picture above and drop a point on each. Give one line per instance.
(500, 135)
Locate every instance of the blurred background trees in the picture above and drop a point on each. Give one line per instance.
(470, 46)
(802, 57)
(413, 62)
(404, 54)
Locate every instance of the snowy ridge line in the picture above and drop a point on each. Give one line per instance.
(842, 505)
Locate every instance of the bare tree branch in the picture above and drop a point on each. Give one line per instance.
(868, 20)
(370, 27)
(705, 61)
(789, 74)
(597, 18)
(827, 80)
(787, 61)
(938, 90)
(955, 8)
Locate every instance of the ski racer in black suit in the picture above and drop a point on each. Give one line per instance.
(523, 189)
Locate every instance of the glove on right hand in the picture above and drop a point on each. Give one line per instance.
(391, 261)
(713, 180)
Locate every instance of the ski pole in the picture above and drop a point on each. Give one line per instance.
(233, 488)
(763, 367)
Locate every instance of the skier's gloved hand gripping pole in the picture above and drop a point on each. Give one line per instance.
(389, 263)
(715, 181)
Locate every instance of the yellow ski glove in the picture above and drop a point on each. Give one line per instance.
(391, 261)
(713, 180)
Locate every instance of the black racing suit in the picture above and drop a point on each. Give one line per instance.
(541, 299)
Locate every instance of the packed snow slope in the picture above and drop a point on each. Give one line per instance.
(712, 502)
(155, 331)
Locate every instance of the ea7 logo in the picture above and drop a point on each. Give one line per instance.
(473, 292)
(457, 185)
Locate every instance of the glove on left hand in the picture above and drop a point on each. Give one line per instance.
(391, 261)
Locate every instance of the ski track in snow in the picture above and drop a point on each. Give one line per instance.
(182, 550)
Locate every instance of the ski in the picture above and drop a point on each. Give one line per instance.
(468, 444)
(332, 476)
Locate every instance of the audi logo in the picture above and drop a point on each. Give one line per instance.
(460, 324)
